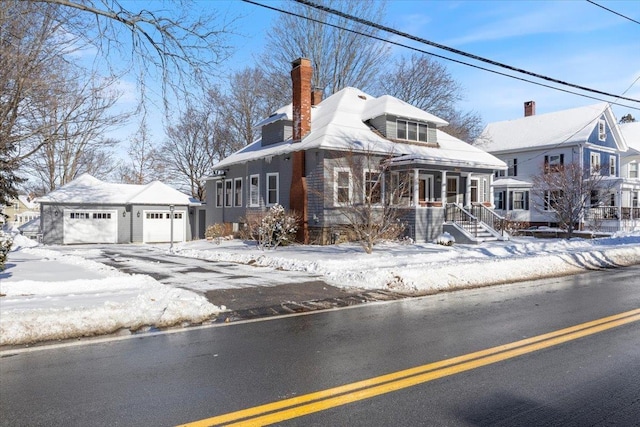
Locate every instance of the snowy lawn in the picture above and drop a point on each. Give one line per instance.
(49, 296)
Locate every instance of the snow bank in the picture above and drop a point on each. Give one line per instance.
(61, 308)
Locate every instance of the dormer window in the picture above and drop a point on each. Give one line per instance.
(412, 131)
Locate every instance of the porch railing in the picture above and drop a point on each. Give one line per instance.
(465, 219)
(489, 217)
(612, 213)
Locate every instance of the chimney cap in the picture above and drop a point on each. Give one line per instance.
(299, 62)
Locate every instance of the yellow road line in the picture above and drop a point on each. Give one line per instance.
(325, 399)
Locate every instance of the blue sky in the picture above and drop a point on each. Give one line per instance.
(574, 41)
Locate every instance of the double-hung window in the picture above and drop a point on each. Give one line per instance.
(372, 187)
(602, 130)
(254, 190)
(412, 131)
(228, 192)
(633, 170)
(272, 188)
(237, 192)
(595, 163)
(342, 186)
(219, 193)
(612, 165)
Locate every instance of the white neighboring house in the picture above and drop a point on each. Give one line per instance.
(589, 136)
(630, 171)
(87, 210)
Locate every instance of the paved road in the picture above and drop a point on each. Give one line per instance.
(168, 379)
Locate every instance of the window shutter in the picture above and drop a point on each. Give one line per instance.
(510, 200)
(562, 159)
(526, 200)
(546, 164)
(515, 167)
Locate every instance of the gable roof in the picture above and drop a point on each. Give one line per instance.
(631, 133)
(87, 189)
(565, 127)
(338, 123)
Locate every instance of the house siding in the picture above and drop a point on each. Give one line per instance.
(277, 132)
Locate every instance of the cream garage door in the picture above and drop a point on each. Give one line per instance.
(156, 226)
(90, 226)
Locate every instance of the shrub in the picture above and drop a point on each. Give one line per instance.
(215, 232)
(271, 229)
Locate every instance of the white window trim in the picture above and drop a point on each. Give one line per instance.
(237, 203)
(364, 187)
(336, 171)
(612, 165)
(277, 189)
(524, 201)
(633, 167)
(228, 195)
(602, 130)
(418, 124)
(219, 201)
(254, 202)
(594, 166)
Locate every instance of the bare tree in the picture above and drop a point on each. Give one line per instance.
(248, 100)
(173, 45)
(369, 197)
(145, 163)
(194, 144)
(177, 42)
(428, 85)
(73, 123)
(340, 58)
(569, 191)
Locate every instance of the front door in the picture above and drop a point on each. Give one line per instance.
(452, 189)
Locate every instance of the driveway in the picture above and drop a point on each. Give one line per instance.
(247, 291)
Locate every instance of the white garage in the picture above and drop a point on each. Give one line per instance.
(156, 226)
(90, 226)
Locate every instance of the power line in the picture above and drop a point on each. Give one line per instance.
(453, 50)
(613, 11)
(437, 55)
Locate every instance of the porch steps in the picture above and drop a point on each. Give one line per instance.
(463, 233)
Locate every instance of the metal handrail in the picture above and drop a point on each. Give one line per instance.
(489, 217)
(465, 219)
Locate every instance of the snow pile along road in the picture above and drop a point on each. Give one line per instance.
(61, 307)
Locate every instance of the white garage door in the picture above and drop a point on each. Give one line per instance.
(156, 226)
(90, 226)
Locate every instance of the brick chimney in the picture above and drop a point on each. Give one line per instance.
(301, 74)
(529, 108)
(316, 96)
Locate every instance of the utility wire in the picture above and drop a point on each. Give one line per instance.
(613, 11)
(275, 9)
(453, 50)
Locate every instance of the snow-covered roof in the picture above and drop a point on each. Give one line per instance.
(388, 104)
(552, 129)
(28, 202)
(87, 189)
(511, 183)
(284, 113)
(337, 123)
(631, 133)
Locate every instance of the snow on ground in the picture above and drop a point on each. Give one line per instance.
(50, 296)
(47, 295)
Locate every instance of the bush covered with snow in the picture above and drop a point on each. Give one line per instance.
(277, 228)
(445, 239)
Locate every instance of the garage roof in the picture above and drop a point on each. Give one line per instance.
(89, 190)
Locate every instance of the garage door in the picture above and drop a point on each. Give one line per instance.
(156, 226)
(90, 226)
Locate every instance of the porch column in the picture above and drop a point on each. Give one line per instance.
(416, 188)
(491, 199)
(443, 188)
(467, 190)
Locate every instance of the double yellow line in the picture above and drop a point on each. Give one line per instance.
(318, 401)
